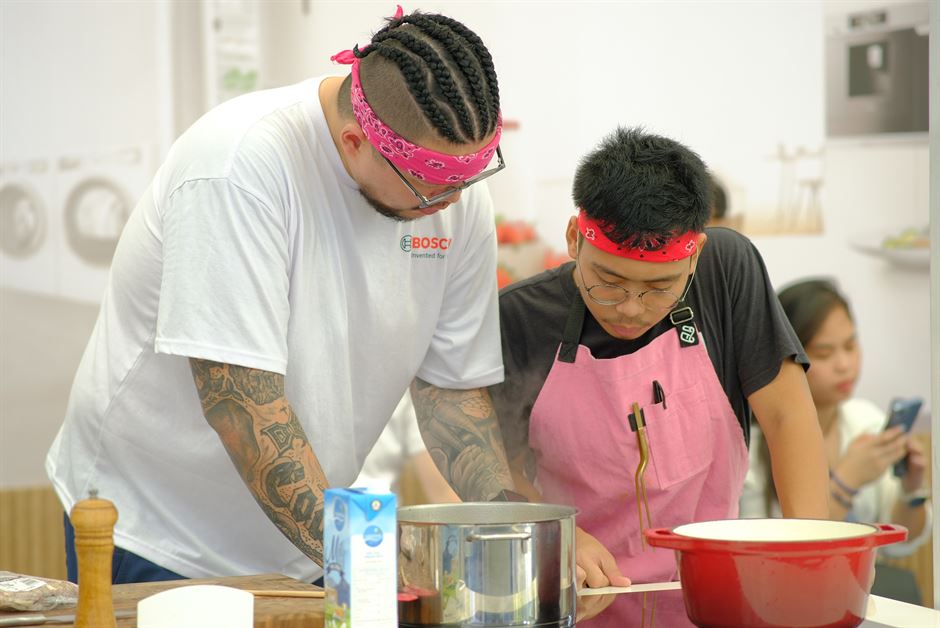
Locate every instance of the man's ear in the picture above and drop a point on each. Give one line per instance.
(352, 141)
(700, 241)
(571, 236)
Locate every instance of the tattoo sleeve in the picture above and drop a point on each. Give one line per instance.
(267, 444)
(462, 434)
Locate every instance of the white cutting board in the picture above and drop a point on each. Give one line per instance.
(634, 588)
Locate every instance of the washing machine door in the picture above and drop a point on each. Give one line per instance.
(95, 213)
(22, 220)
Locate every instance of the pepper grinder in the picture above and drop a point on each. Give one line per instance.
(93, 520)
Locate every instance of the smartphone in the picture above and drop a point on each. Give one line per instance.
(903, 412)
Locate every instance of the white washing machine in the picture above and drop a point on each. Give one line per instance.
(96, 193)
(28, 227)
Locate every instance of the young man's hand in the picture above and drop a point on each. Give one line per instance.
(596, 565)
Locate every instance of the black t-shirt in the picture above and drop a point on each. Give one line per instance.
(745, 330)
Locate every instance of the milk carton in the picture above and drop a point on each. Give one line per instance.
(360, 550)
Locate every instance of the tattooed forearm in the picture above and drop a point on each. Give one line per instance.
(268, 446)
(462, 434)
(233, 424)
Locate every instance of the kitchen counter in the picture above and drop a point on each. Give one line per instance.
(666, 608)
(886, 612)
(660, 608)
(270, 612)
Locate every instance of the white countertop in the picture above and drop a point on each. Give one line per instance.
(883, 611)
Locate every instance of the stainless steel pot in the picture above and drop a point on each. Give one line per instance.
(486, 564)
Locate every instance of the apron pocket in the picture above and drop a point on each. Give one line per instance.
(680, 437)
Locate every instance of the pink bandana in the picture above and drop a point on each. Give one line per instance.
(654, 250)
(421, 163)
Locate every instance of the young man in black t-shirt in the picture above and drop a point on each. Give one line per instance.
(649, 351)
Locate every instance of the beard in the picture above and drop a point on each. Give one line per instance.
(385, 210)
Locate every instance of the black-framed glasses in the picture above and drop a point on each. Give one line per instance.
(612, 294)
(425, 202)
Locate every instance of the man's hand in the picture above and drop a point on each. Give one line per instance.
(596, 566)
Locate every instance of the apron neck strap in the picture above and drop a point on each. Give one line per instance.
(572, 335)
(683, 320)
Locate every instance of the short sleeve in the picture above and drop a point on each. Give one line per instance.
(758, 320)
(225, 284)
(465, 349)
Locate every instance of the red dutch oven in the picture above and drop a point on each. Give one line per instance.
(771, 573)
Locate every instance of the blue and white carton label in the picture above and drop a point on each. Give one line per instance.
(360, 551)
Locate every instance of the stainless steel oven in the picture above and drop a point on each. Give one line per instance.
(876, 70)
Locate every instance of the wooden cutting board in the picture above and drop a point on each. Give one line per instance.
(270, 612)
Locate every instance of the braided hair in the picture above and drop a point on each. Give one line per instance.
(428, 76)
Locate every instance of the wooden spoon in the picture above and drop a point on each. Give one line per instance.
(286, 593)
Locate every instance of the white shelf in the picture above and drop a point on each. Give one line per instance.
(913, 258)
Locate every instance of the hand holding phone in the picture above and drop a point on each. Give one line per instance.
(903, 412)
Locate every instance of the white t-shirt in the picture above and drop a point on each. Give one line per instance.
(874, 502)
(399, 442)
(253, 246)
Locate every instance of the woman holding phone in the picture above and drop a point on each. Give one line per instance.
(861, 451)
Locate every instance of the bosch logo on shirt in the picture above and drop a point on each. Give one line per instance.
(425, 246)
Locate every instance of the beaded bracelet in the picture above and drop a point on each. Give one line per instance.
(851, 492)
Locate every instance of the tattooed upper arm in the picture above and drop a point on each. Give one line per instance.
(216, 381)
(230, 397)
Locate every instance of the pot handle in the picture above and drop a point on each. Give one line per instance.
(508, 536)
(889, 533)
(665, 537)
(473, 537)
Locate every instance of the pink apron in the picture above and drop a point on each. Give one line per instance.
(587, 453)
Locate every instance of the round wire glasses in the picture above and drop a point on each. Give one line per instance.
(612, 294)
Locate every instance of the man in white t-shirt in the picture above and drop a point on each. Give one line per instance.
(293, 259)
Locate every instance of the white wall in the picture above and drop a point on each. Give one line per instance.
(76, 78)
(731, 79)
(871, 190)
